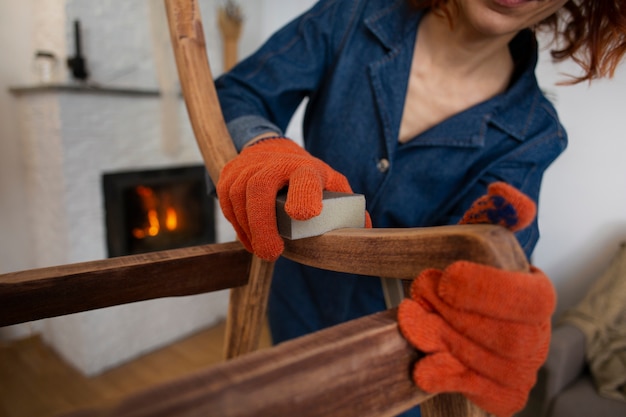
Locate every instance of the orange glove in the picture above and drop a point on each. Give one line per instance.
(504, 205)
(248, 186)
(485, 331)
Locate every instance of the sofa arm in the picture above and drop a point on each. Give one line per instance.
(565, 362)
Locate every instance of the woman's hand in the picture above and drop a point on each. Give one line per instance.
(248, 186)
(485, 331)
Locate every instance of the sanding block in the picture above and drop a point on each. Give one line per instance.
(339, 210)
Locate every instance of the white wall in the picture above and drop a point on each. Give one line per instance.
(582, 209)
(16, 48)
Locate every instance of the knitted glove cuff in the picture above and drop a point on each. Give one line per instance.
(265, 139)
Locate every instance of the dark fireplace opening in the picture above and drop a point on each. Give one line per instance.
(157, 209)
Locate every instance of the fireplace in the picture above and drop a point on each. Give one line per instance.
(72, 137)
(157, 209)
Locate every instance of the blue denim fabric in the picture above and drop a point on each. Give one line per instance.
(352, 59)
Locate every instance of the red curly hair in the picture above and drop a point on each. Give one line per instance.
(590, 32)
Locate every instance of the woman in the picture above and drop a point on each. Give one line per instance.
(421, 105)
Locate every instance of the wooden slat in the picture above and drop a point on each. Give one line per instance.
(47, 292)
(360, 368)
(248, 303)
(450, 405)
(246, 311)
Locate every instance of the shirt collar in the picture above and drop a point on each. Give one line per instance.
(511, 111)
(392, 24)
(515, 107)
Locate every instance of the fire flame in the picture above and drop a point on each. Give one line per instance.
(171, 219)
(151, 203)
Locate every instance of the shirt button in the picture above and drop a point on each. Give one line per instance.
(383, 165)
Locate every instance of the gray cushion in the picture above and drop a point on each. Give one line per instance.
(581, 400)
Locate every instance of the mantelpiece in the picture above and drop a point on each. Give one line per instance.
(83, 89)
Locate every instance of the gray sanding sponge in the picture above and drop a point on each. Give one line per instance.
(339, 210)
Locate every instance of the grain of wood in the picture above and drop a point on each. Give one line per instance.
(49, 292)
(217, 149)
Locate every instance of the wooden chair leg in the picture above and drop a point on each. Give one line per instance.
(247, 304)
(246, 311)
(448, 405)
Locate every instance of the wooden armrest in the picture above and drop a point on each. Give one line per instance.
(360, 368)
(403, 253)
(54, 291)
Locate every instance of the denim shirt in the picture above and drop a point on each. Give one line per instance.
(351, 59)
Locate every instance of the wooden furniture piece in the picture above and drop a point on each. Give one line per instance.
(230, 22)
(360, 368)
(247, 303)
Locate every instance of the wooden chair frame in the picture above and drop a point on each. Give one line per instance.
(360, 368)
